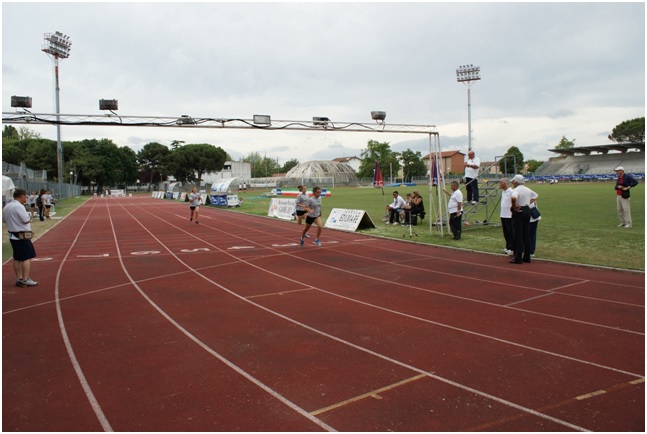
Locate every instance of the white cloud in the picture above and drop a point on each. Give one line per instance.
(548, 70)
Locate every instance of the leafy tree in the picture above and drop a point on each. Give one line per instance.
(289, 165)
(564, 143)
(380, 152)
(632, 131)
(12, 151)
(40, 154)
(412, 164)
(25, 133)
(127, 172)
(9, 132)
(190, 162)
(533, 165)
(512, 161)
(153, 157)
(262, 167)
(99, 161)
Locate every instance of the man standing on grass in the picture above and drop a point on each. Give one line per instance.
(455, 210)
(506, 217)
(520, 207)
(623, 183)
(19, 228)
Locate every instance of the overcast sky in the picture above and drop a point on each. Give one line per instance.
(548, 70)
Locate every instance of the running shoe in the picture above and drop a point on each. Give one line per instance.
(20, 283)
(301, 242)
(318, 243)
(29, 282)
(307, 236)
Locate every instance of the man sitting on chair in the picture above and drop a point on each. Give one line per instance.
(395, 208)
(417, 207)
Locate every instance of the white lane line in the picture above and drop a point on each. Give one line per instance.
(68, 345)
(201, 344)
(342, 341)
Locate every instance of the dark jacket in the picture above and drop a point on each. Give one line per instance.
(627, 181)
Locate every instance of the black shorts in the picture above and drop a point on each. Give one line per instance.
(301, 212)
(194, 207)
(311, 220)
(23, 250)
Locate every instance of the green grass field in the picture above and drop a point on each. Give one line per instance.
(578, 222)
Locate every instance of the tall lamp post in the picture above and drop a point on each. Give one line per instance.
(467, 74)
(57, 46)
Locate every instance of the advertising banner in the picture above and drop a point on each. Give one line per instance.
(348, 219)
(282, 208)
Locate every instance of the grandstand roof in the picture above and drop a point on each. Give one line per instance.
(602, 149)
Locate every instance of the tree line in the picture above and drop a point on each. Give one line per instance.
(97, 163)
(100, 163)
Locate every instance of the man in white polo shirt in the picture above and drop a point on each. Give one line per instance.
(471, 177)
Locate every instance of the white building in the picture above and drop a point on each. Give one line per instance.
(353, 162)
(231, 169)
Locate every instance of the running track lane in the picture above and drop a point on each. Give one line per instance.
(471, 347)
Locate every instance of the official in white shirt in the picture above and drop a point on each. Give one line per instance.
(520, 207)
(471, 177)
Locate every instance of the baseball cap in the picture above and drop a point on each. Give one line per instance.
(619, 168)
(519, 179)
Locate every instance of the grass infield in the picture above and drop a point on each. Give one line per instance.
(579, 222)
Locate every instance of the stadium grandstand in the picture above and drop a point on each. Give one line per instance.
(584, 163)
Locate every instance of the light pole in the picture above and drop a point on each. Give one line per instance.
(57, 46)
(467, 74)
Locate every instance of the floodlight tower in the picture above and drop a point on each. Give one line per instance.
(57, 46)
(467, 74)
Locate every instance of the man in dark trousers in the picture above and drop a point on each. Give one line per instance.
(520, 201)
(624, 182)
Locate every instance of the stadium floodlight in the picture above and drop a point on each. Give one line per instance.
(262, 120)
(21, 101)
(320, 121)
(467, 74)
(108, 104)
(57, 46)
(378, 116)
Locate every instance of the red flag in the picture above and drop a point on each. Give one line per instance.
(378, 180)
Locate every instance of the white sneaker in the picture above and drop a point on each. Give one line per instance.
(29, 282)
(395, 223)
(621, 225)
(627, 226)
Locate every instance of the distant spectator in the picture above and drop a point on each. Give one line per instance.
(471, 177)
(624, 182)
(18, 225)
(506, 217)
(455, 210)
(520, 200)
(395, 208)
(535, 216)
(31, 203)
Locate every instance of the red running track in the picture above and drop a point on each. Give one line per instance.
(145, 321)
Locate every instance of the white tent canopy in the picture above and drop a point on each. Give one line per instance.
(7, 186)
(221, 187)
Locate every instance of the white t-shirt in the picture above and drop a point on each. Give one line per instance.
(194, 199)
(16, 217)
(454, 200)
(472, 173)
(506, 203)
(522, 195)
